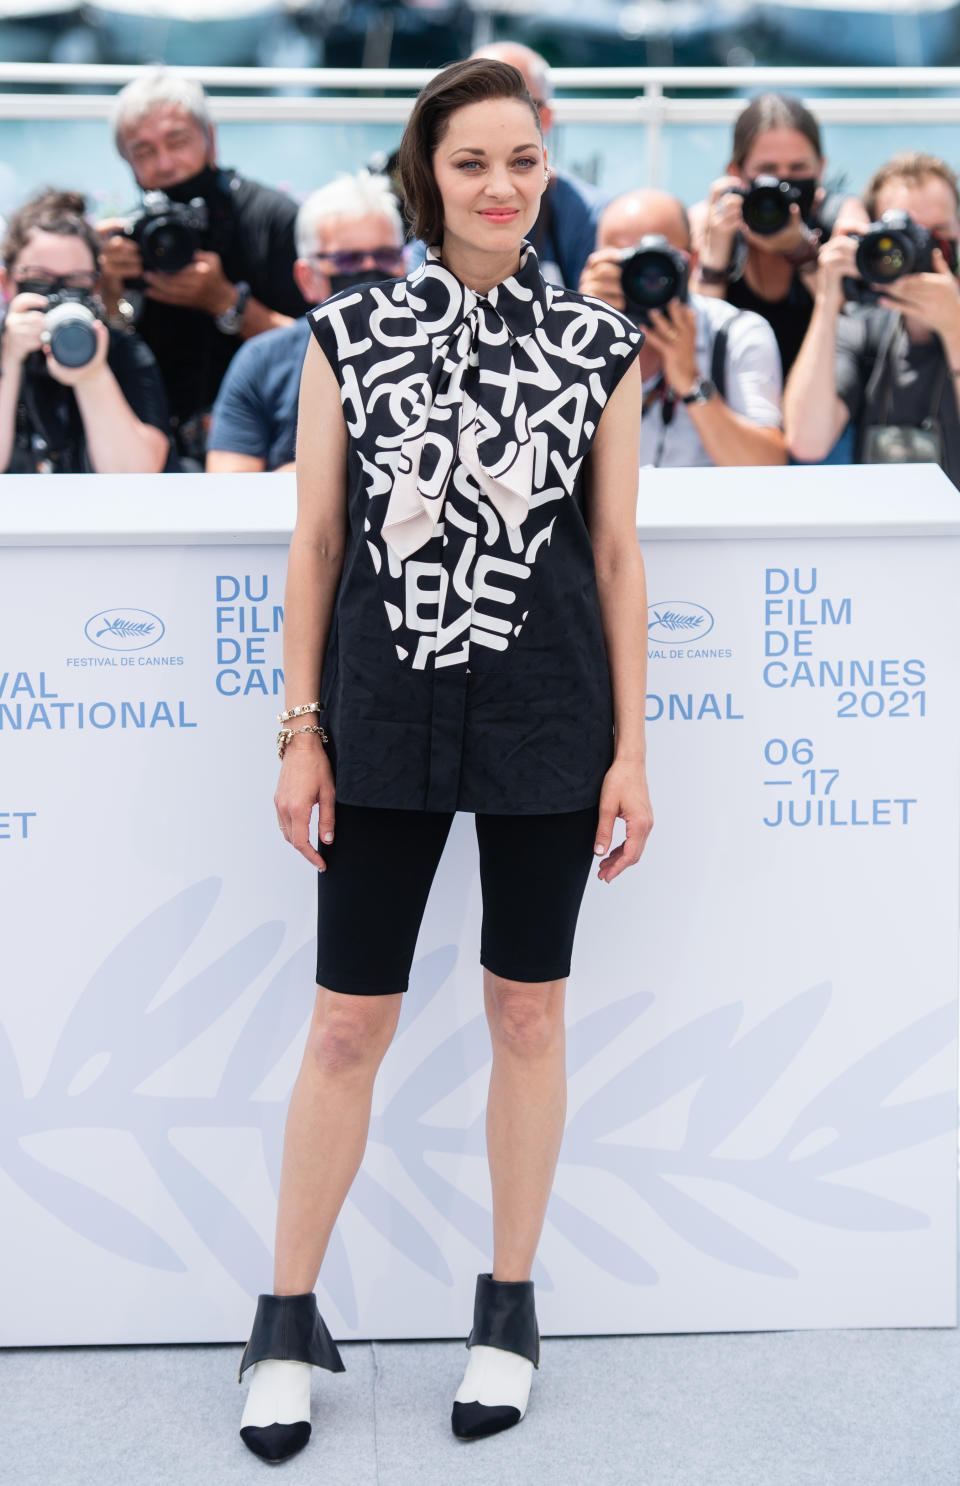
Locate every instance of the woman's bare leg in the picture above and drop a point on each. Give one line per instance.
(326, 1128)
(526, 1112)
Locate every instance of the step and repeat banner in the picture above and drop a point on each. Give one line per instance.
(762, 1121)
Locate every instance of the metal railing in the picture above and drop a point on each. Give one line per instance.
(651, 91)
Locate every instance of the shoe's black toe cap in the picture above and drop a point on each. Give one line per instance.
(471, 1421)
(276, 1441)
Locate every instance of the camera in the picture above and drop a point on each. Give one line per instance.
(767, 202)
(68, 327)
(168, 233)
(892, 247)
(652, 274)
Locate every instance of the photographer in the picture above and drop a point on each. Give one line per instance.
(238, 275)
(349, 232)
(711, 373)
(101, 408)
(760, 232)
(891, 367)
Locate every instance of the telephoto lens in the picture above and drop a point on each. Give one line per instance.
(69, 331)
(652, 274)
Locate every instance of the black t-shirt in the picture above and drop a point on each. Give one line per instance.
(906, 388)
(789, 318)
(252, 229)
(50, 434)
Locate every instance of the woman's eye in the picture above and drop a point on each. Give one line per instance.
(525, 161)
(466, 164)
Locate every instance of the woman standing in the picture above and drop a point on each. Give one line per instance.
(466, 609)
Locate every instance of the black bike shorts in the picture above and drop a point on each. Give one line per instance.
(381, 863)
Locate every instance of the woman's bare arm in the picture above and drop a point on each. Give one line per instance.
(313, 575)
(612, 479)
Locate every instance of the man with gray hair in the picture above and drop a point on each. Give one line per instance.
(239, 281)
(349, 232)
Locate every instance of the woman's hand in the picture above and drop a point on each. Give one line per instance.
(306, 779)
(624, 793)
(721, 223)
(23, 328)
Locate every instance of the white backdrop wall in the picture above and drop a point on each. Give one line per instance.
(762, 1014)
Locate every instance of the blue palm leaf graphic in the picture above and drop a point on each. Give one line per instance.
(598, 1030)
(90, 1214)
(450, 1064)
(855, 1096)
(112, 1005)
(280, 1013)
(713, 1235)
(126, 628)
(599, 1244)
(828, 1202)
(427, 976)
(396, 1222)
(682, 1058)
(752, 1066)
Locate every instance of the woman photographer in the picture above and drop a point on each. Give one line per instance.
(106, 413)
(771, 272)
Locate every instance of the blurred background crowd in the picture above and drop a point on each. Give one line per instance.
(788, 319)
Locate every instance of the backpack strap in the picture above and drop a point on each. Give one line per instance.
(718, 358)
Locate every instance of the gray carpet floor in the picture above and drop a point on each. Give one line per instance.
(835, 1408)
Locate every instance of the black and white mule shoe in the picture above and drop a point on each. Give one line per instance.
(288, 1337)
(504, 1349)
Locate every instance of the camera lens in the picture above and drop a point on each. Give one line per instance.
(884, 256)
(650, 279)
(167, 245)
(70, 334)
(766, 206)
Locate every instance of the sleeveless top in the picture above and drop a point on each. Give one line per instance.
(465, 667)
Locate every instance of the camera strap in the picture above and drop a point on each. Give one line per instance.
(884, 370)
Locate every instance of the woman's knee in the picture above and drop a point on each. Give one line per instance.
(351, 1032)
(525, 1017)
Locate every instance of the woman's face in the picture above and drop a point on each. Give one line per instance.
(47, 256)
(785, 153)
(489, 169)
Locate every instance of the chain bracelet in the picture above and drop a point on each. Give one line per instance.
(285, 734)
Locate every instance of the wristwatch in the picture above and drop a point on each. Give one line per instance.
(229, 320)
(701, 391)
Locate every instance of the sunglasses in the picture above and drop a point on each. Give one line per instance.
(386, 260)
(35, 281)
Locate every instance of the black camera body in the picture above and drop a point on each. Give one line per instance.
(69, 326)
(168, 233)
(889, 249)
(652, 275)
(767, 202)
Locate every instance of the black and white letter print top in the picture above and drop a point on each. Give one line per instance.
(466, 666)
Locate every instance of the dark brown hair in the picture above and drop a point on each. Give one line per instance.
(773, 111)
(456, 86)
(60, 212)
(912, 166)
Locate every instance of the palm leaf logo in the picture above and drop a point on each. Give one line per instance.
(125, 628)
(670, 620)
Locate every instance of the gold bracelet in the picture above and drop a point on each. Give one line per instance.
(299, 711)
(285, 734)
